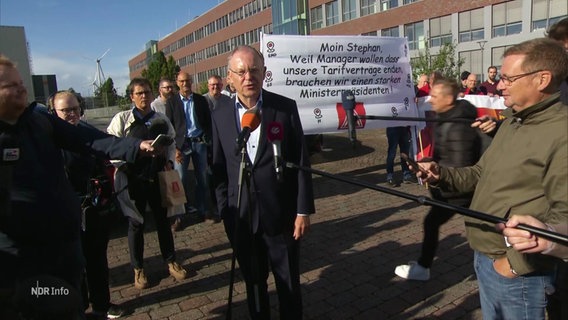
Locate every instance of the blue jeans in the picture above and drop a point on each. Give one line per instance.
(198, 156)
(523, 297)
(397, 137)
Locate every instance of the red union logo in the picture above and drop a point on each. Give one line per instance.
(342, 116)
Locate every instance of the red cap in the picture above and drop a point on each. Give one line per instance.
(275, 131)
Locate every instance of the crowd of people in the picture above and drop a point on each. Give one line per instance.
(53, 230)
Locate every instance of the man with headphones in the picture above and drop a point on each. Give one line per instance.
(80, 169)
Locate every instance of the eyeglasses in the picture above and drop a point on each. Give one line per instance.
(241, 74)
(509, 80)
(141, 93)
(215, 85)
(167, 87)
(69, 110)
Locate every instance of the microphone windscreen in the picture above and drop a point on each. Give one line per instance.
(348, 100)
(251, 119)
(275, 131)
(157, 127)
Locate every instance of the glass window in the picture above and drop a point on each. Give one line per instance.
(390, 32)
(415, 34)
(316, 17)
(547, 12)
(388, 4)
(471, 25)
(408, 1)
(349, 9)
(440, 31)
(369, 7)
(507, 18)
(331, 13)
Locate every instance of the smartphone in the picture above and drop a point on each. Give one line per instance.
(162, 140)
(413, 163)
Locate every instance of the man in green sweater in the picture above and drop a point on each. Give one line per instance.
(524, 172)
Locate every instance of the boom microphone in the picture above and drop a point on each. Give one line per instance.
(275, 134)
(348, 103)
(249, 122)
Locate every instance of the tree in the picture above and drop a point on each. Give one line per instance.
(445, 61)
(106, 94)
(160, 67)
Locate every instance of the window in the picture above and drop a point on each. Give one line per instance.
(408, 1)
(471, 25)
(390, 32)
(414, 32)
(316, 18)
(472, 62)
(547, 12)
(372, 33)
(349, 9)
(388, 4)
(368, 7)
(440, 31)
(507, 18)
(331, 13)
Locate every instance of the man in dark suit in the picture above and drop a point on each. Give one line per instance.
(273, 215)
(191, 118)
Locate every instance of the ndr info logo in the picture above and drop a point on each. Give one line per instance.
(48, 291)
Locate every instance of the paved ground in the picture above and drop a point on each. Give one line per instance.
(358, 237)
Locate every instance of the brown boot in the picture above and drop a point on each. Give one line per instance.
(177, 271)
(140, 280)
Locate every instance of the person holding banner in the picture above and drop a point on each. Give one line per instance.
(266, 225)
(523, 172)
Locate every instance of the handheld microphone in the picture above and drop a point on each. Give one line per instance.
(348, 103)
(249, 122)
(275, 134)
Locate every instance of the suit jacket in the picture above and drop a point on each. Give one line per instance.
(176, 114)
(274, 204)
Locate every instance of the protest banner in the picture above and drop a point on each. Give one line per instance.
(315, 70)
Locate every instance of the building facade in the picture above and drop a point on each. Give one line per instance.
(13, 44)
(482, 29)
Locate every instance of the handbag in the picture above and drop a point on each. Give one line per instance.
(171, 188)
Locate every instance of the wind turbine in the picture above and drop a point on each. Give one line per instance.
(100, 79)
(99, 74)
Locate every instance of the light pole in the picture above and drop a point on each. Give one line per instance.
(481, 44)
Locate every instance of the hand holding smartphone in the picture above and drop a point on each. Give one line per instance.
(413, 163)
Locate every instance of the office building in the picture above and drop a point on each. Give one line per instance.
(482, 29)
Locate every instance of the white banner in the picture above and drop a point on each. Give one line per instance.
(315, 70)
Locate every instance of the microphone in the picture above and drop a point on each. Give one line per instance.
(249, 122)
(157, 127)
(348, 103)
(275, 134)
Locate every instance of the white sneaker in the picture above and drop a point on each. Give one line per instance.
(413, 271)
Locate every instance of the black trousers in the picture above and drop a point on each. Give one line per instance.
(148, 193)
(95, 243)
(255, 254)
(435, 218)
